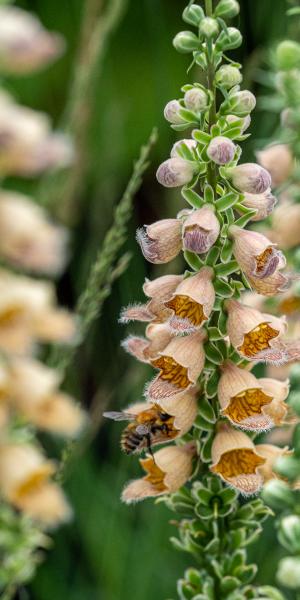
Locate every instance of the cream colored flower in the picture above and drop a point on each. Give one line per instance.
(262, 203)
(171, 469)
(278, 160)
(25, 45)
(192, 302)
(270, 453)
(180, 364)
(27, 237)
(250, 178)
(158, 336)
(28, 147)
(286, 224)
(251, 403)
(236, 460)
(256, 255)
(200, 230)
(28, 313)
(33, 391)
(159, 291)
(176, 172)
(255, 335)
(24, 481)
(161, 241)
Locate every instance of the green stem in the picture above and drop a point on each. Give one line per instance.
(208, 7)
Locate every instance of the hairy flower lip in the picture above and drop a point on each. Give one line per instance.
(160, 242)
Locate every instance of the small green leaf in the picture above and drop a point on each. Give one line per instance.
(269, 591)
(188, 116)
(209, 195)
(233, 132)
(201, 137)
(226, 252)
(228, 584)
(184, 151)
(206, 411)
(181, 126)
(213, 354)
(215, 130)
(201, 423)
(222, 323)
(205, 454)
(242, 221)
(226, 201)
(223, 288)
(192, 197)
(212, 384)
(193, 260)
(214, 334)
(212, 256)
(227, 269)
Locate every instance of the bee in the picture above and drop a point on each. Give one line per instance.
(148, 427)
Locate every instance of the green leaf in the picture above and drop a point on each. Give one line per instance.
(192, 197)
(188, 115)
(226, 252)
(226, 201)
(228, 495)
(205, 454)
(222, 288)
(270, 592)
(201, 137)
(228, 584)
(206, 411)
(213, 546)
(227, 269)
(212, 256)
(201, 423)
(214, 333)
(213, 354)
(212, 384)
(209, 195)
(215, 130)
(193, 260)
(185, 152)
(293, 11)
(242, 221)
(181, 126)
(246, 573)
(233, 132)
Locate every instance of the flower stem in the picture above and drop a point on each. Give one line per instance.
(208, 7)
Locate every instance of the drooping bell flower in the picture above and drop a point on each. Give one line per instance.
(192, 302)
(145, 349)
(250, 178)
(200, 230)
(161, 241)
(262, 203)
(271, 454)
(158, 290)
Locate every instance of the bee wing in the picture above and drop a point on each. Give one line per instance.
(119, 416)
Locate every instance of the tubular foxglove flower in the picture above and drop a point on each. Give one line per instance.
(270, 453)
(256, 255)
(165, 474)
(221, 150)
(161, 241)
(263, 204)
(286, 224)
(278, 161)
(250, 178)
(146, 349)
(192, 302)
(176, 172)
(200, 230)
(180, 364)
(255, 335)
(237, 461)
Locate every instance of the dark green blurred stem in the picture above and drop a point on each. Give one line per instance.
(211, 172)
(208, 7)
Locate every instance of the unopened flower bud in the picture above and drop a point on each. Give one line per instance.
(161, 241)
(262, 203)
(242, 103)
(171, 112)
(176, 172)
(288, 573)
(278, 160)
(228, 76)
(186, 41)
(226, 9)
(286, 225)
(288, 55)
(196, 99)
(230, 40)
(231, 119)
(209, 27)
(278, 495)
(289, 533)
(193, 14)
(250, 178)
(191, 144)
(221, 150)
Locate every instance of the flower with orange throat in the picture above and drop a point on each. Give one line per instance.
(170, 469)
(28, 314)
(260, 260)
(250, 403)
(158, 291)
(159, 423)
(179, 364)
(33, 392)
(161, 241)
(256, 336)
(24, 481)
(145, 349)
(236, 460)
(263, 204)
(200, 230)
(278, 160)
(28, 239)
(192, 302)
(271, 454)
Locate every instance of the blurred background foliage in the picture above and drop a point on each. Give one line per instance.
(112, 552)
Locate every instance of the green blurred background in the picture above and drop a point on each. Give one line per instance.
(113, 552)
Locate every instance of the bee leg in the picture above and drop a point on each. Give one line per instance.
(149, 447)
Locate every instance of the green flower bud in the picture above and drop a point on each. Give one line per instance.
(228, 76)
(186, 41)
(227, 9)
(277, 495)
(288, 55)
(289, 533)
(209, 27)
(193, 14)
(288, 573)
(230, 40)
(196, 99)
(241, 103)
